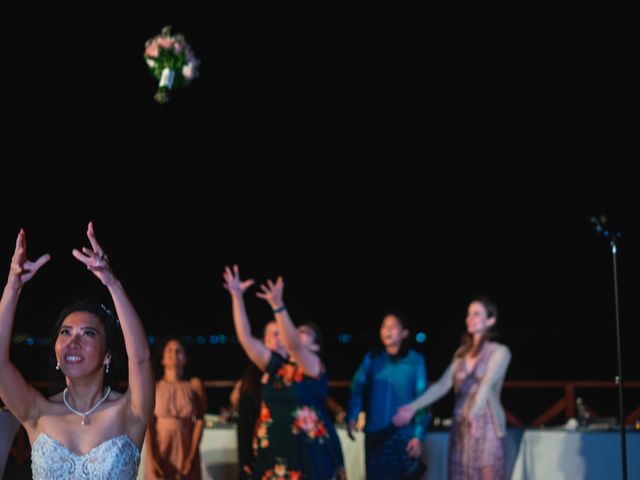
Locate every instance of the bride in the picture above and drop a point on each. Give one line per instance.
(87, 430)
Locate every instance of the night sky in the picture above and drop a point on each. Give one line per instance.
(379, 160)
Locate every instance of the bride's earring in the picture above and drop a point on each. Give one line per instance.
(57, 365)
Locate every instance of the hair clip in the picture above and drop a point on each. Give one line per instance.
(110, 314)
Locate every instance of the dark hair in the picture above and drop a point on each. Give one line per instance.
(158, 352)
(114, 341)
(404, 344)
(317, 334)
(466, 342)
(251, 380)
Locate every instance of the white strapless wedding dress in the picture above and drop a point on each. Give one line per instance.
(116, 458)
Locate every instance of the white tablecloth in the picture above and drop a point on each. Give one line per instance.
(531, 455)
(589, 455)
(8, 428)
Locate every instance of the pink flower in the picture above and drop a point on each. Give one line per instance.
(152, 49)
(165, 42)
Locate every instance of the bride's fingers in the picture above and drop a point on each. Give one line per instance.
(92, 238)
(41, 261)
(20, 240)
(97, 255)
(80, 256)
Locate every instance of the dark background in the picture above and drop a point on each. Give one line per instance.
(379, 159)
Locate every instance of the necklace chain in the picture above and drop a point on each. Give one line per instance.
(84, 415)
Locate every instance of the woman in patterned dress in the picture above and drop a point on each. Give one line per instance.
(477, 449)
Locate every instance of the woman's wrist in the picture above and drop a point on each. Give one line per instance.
(278, 308)
(113, 283)
(12, 288)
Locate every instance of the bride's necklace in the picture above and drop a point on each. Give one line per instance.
(84, 415)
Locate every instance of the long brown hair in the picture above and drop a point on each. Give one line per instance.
(466, 342)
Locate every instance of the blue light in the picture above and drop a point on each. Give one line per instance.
(213, 339)
(223, 338)
(30, 341)
(201, 340)
(344, 338)
(421, 337)
(151, 339)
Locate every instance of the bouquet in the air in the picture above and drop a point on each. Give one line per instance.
(170, 60)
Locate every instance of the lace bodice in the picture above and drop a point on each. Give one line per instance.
(117, 458)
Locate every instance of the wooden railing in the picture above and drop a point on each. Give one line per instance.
(567, 402)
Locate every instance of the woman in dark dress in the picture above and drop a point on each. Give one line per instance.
(294, 438)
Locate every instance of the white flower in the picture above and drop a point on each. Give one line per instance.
(188, 71)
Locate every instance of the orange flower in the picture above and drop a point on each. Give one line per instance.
(265, 415)
(290, 373)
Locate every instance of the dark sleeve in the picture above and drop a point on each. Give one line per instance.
(275, 362)
(358, 383)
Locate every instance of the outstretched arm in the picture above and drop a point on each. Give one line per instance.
(434, 393)
(307, 359)
(21, 398)
(141, 390)
(257, 352)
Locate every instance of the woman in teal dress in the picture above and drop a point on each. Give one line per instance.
(294, 438)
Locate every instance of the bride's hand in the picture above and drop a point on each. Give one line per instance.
(95, 259)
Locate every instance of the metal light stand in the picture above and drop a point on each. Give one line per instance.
(612, 237)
